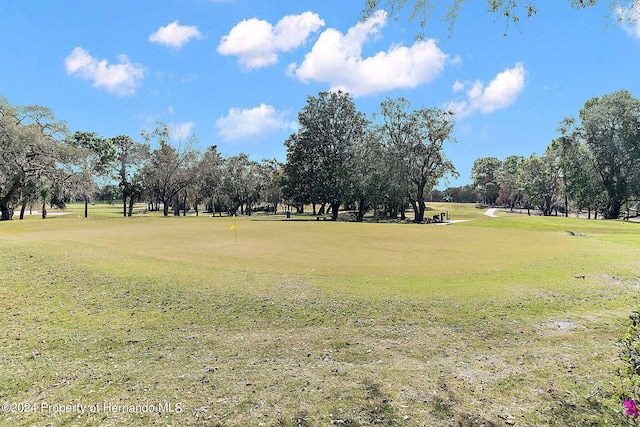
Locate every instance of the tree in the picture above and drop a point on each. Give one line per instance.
(540, 180)
(484, 173)
(130, 155)
(31, 141)
(611, 130)
(241, 184)
(210, 175)
(510, 10)
(416, 142)
(320, 155)
(272, 177)
(370, 187)
(510, 192)
(96, 155)
(169, 169)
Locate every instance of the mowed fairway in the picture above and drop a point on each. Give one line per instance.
(142, 321)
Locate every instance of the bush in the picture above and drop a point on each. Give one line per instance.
(629, 393)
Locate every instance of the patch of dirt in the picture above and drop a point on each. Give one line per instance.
(559, 326)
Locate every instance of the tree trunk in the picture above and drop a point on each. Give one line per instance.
(362, 206)
(86, 207)
(44, 210)
(613, 210)
(314, 208)
(165, 208)
(131, 200)
(184, 205)
(420, 217)
(6, 213)
(22, 209)
(335, 206)
(124, 205)
(176, 206)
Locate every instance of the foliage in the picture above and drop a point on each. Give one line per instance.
(509, 10)
(629, 345)
(210, 175)
(241, 182)
(484, 173)
(611, 131)
(320, 154)
(31, 147)
(415, 140)
(169, 169)
(130, 156)
(510, 192)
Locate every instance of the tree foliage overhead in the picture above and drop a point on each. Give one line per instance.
(510, 10)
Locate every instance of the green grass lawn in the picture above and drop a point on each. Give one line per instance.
(495, 321)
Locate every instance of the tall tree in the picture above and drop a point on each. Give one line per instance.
(130, 156)
(95, 159)
(320, 154)
(540, 181)
(210, 175)
(169, 169)
(272, 177)
(510, 192)
(484, 173)
(31, 141)
(611, 129)
(416, 142)
(241, 183)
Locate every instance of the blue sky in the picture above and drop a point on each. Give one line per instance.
(236, 72)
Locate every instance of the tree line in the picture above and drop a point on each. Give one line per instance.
(339, 158)
(593, 166)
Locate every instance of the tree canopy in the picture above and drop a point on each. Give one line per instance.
(510, 10)
(32, 142)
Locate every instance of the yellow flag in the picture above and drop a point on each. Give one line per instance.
(233, 226)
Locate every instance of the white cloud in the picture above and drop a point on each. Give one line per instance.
(629, 18)
(500, 93)
(336, 58)
(257, 43)
(181, 131)
(252, 123)
(457, 86)
(121, 78)
(175, 35)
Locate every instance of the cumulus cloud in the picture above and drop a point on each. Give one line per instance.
(174, 35)
(629, 18)
(500, 93)
(336, 59)
(252, 123)
(121, 78)
(257, 43)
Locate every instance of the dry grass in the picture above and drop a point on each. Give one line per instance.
(508, 321)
